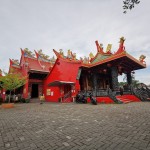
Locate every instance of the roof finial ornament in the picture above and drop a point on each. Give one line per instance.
(121, 45)
(141, 59)
(108, 49)
(122, 39)
(61, 52)
(99, 47)
(69, 54)
(91, 55)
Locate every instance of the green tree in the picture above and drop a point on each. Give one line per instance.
(12, 81)
(129, 4)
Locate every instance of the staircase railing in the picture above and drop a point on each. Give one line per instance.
(102, 93)
(112, 95)
(142, 92)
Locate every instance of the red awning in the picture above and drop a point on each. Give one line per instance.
(58, 83)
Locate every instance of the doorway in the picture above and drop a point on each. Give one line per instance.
(67, 88)
(35, 92)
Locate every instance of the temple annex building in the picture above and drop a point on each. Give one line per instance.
(60, 79)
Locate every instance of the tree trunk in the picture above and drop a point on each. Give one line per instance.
(9, 96)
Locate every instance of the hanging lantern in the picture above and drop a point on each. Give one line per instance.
(105, 70)
(109, 65)
(119, 68)
(100, 71)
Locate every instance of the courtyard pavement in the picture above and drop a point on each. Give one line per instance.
(70, 126)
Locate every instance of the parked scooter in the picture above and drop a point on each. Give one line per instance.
(80, 98)
(93, 99)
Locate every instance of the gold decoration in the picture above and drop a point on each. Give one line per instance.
(108, 49)
(91, 55)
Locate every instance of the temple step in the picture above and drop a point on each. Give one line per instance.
(128, 98)
(67, 100)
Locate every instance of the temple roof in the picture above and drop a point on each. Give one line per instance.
(101, 57)
(120, 58)
(14, 66)
(38, 63)
(34, 64)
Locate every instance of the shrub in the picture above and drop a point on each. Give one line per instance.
(27, 100)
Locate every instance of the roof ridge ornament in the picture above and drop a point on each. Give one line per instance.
(99, 47)
(121, 46)
(42, 56)
(108, 49)
(28, 53)
(141, 59)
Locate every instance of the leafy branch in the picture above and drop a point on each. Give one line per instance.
(129, 4)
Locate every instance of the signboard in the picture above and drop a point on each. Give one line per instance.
(48, 92)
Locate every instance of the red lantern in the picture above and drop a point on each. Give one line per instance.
(105, 70)
(109, 65)
(100, 71)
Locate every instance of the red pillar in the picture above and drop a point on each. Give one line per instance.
(25, 89)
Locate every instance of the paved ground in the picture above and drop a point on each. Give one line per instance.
(75, 127)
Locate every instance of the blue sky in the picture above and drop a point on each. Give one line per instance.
(75, 25)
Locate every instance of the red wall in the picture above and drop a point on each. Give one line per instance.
(62, 71)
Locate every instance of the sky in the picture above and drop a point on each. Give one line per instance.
(75, 25)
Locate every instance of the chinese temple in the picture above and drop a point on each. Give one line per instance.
(60, 79)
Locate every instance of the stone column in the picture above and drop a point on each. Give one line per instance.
(129, 78)
(114, 76)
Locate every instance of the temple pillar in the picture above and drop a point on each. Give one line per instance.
(95, 81)
(25, 90)
(129, 78)
(114, 76)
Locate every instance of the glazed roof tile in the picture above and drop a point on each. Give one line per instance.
(35, 64)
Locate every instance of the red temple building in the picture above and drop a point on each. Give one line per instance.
(60, 79)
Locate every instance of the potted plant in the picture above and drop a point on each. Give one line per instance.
(9, 82)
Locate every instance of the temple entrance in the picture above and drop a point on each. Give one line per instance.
(94, 81)
(67, 88)
(35, 91)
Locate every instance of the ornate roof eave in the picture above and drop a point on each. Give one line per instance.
(66, 59)
(12, 64)
(114, 57)
(33, 70)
